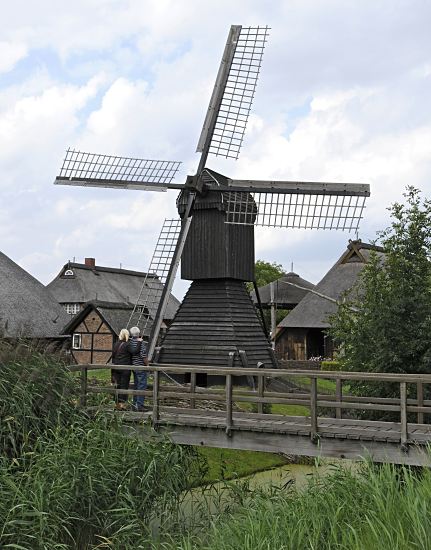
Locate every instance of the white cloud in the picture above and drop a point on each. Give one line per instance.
(10, 54)
(343, 95)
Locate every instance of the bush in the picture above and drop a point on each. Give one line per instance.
(331, 366)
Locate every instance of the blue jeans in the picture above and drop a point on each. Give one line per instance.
(140, 379)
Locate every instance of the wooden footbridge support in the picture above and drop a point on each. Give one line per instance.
(218, 416)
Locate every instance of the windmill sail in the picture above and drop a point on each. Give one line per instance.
(291, 204)
(226, 120)
(147, 302)
(97, 170)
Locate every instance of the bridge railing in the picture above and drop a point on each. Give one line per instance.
(228, 396)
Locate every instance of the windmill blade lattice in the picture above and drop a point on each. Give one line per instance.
(234, 93)
(328, 206)
(97, 170)
(151, 291)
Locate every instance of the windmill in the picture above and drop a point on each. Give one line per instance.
(214, 239)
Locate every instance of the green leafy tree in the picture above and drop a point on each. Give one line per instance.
(384, 325)
(266, 272)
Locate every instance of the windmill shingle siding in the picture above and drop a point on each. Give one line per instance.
(27, 308)
(216, 317)
(215, 249)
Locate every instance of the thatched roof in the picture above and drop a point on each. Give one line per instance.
(116, 314)
(313, 311)
(106, 284)
(286, 295)
(27, 308)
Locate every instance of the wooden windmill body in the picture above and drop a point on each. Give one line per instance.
(217, 323)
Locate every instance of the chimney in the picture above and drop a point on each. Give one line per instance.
(90, 262)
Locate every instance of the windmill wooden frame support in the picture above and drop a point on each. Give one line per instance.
(187, 220)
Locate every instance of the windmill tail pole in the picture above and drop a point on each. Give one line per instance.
(262, 316)
(171, 276)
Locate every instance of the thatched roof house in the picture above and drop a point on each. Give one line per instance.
(77, 284)
(27, 308)
(287, 293)
(301, 334)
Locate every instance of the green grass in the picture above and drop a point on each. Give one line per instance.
(231, 463)
(324, 386)
(290, 410)
(277, 408)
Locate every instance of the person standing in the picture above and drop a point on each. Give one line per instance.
(121, 378)
(138, 350)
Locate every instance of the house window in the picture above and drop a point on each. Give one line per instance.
(76, 341)
(72, 309)
(69, 273)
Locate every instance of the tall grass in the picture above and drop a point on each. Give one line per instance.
(70, 481)
(385, 508)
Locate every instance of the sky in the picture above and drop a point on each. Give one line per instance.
(344, 95)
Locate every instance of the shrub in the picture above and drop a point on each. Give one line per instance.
(331, 365)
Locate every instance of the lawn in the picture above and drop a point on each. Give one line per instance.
(323, 386)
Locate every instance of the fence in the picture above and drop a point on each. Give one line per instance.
(228, 396)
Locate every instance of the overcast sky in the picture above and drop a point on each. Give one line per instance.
(344, 95)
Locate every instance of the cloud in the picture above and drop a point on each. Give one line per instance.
(10, 54)
(343, 96)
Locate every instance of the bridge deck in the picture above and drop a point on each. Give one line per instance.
(419, 434)
(210, 416)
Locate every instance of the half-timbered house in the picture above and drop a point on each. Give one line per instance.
(100, 301)
(95, 329)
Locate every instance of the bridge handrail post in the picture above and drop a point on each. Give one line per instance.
(420, 401)
(260, 391)
(84, 382)
(403, 414)
(192, 390)
(156, 387)
(339, 397)
(229, 421)
(313, 409)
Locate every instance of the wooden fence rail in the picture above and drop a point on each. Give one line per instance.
(162, 390)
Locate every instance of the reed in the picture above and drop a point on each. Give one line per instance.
(384, 507)
(70, 481)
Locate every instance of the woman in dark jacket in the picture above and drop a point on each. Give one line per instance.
(121, 378)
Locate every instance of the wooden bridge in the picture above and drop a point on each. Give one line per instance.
(236, 417)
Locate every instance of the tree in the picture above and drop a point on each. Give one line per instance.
(384, 325)
(266, 272)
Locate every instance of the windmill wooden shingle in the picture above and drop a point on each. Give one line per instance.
(301, 333)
